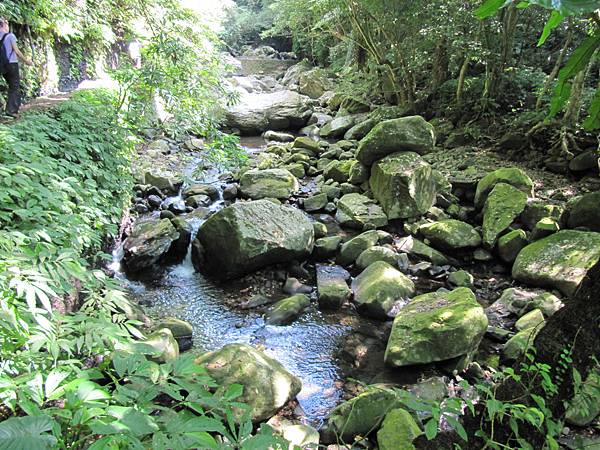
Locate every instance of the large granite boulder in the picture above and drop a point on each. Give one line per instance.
(435, 327)
(503, 205)
(251, 235)
(509, 175)
(149, 243)
(360, 212)
(378, 288)
(268, 386)
(411, 133)
(259, 112)
(269, 183)
(585, 212)
(559, 261)
(451, 234)
(403, 184)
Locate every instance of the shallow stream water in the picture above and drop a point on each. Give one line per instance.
(306, 348)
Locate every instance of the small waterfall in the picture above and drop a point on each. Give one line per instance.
(186, 268)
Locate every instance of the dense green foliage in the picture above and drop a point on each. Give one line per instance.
(70, 372)
(441, 60)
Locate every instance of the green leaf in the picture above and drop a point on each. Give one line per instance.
(431, 429)
(555, 19)
(490, 7)
(128, 420)
(26, 433)
(576, 63)
(233, 391)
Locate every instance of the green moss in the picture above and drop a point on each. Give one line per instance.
(379, 287)
(502, 207)
(436, 327)
(403, 184)
(558, 261)
(398, 431)
(451, 234)
(509, 175)
(411, 133)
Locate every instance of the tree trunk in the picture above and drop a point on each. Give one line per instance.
(556, 68)
(461, 79)
(440, 65)
(496, 65)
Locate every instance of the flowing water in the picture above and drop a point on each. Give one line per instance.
(306, 348)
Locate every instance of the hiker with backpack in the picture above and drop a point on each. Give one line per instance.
(9, 67)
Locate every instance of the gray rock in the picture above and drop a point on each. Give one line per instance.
(148, 244)
(378, 288)
(332, 288)
(270, 183)
(407, 133)
(360, 212)
(242, 364)
(403, 184)
(287, 310)
(251, 235)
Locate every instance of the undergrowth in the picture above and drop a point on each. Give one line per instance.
(74, 370)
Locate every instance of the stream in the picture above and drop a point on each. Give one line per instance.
(306, 348)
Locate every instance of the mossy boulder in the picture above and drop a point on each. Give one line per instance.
(398, 431)
(377, 253)
(543, 228)
(316, 202)
(360, 130)
(268, 386)
(359, 173)
(269, 183)
(339, 170)
(537, 210)
(451, 234)
(559, 261)
(413, 246)
(403, 184)
(313, 83)
(531, 319)
(360, 212)
(248, 236)
(352, 249)
(503, 205)
(378, 288)
(361, 415)
(519, 344)
(520, 301)
(411, 133)
(511, 244)
(149, 243)
(332, 288)
(287, 310)
(304, 142)
(337, 127)
(436, 327)
(509, 175)
(326, 247)
(585, 212)
(164, 345)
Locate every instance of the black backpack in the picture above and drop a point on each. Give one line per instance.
(3, 56)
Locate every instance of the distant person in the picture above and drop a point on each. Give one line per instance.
(9, 67)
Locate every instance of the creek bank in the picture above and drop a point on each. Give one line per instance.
(461, 231)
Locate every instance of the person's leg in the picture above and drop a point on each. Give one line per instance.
(14, 89)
